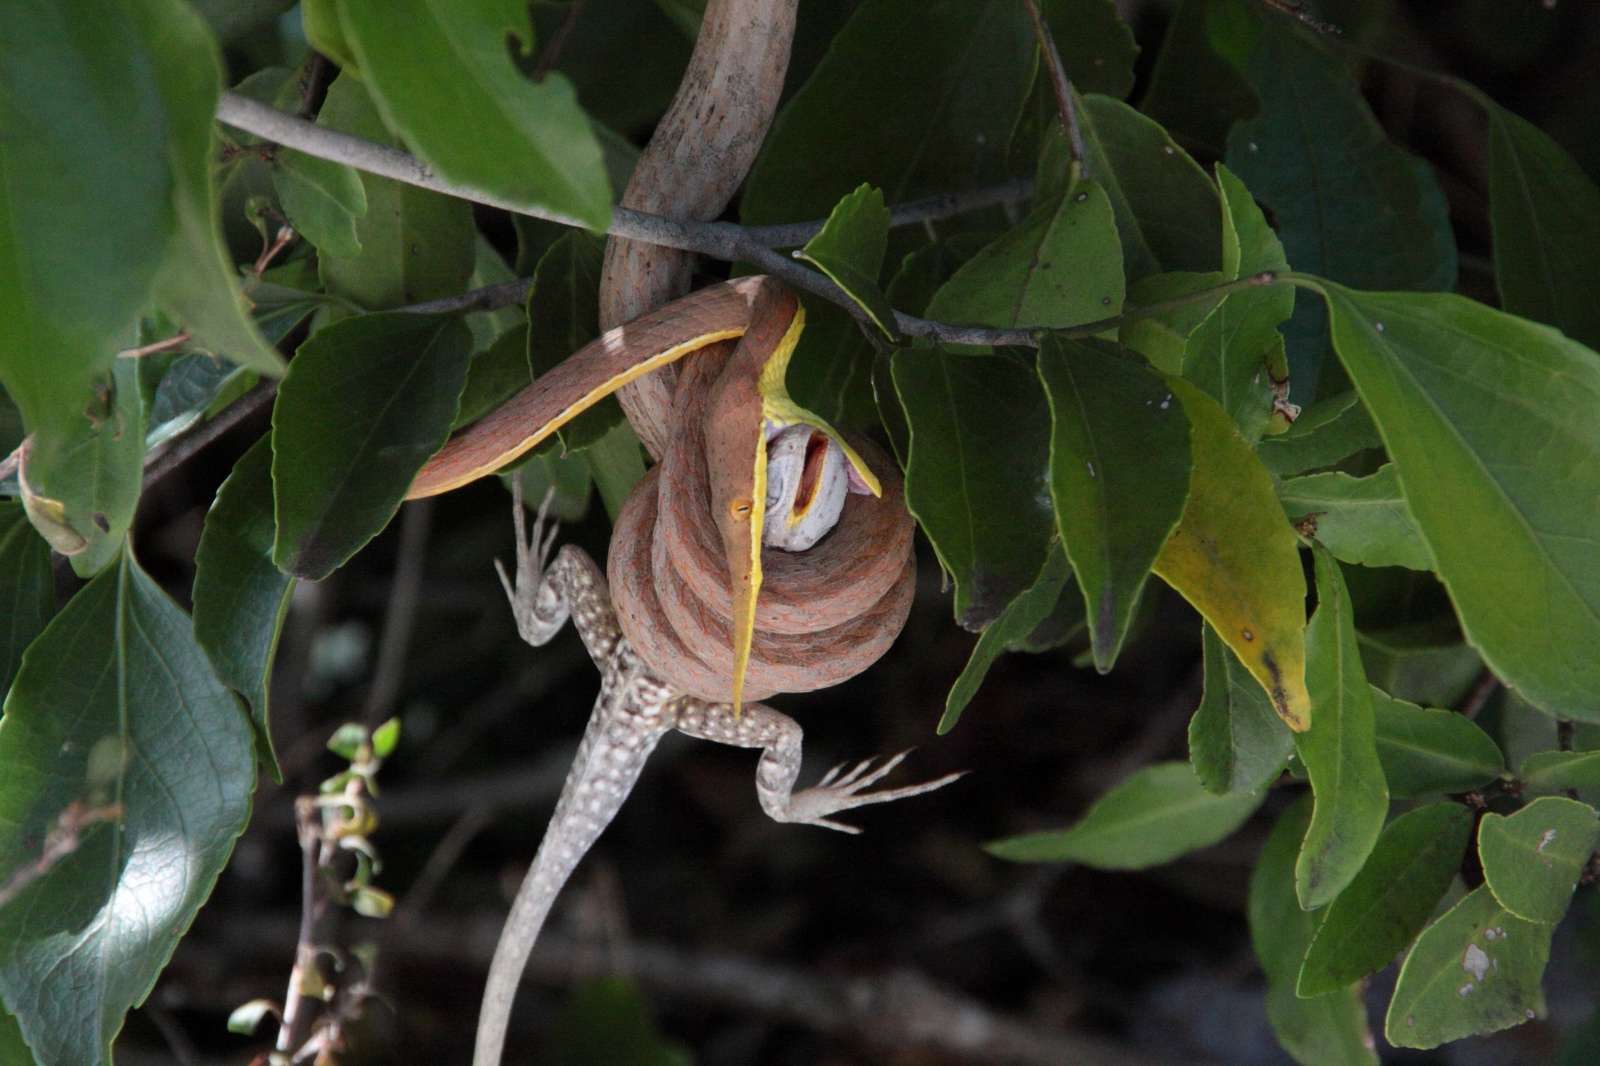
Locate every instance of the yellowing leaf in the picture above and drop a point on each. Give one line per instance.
(1236, 559)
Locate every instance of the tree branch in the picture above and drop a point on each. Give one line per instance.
(1066, 103)
(720, 240)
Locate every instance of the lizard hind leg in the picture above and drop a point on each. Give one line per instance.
(780, 737)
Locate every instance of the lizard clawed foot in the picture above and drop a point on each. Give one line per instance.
(834, 793)
(539, 610)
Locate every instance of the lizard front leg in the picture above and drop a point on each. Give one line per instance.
(545, 593)
(779, 737)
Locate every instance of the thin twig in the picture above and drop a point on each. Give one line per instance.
(415, 518)
(1482, 690)
(897, 1009)
(297, 1015)
(1066, 102)
(720, 240)
(443, 858)
(62, 840)
(552, 48)
(169, 343)
(158, 465)
(313, 71)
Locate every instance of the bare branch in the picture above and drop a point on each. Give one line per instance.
(159, 464)
(1066, 101)
(720, 240)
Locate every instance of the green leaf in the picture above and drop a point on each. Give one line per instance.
(1475, 970)
(416, 245)
(80, 482)
(191, 382)
(616, 461)
(1340, 749)
(850, 249)
(564, 315)
(606, 1022)
(1236, 559)
(1557, 771)
(385, 737)
(1390, 900)
(1424, 664)
(1425, 749)
(977, 473)
(570, 476)
(1360, 520)
(85, 193)
(1096, 46)
(497, 374)
(1326, 432)
(947, 80)
(1166, 207)
(29, 587)
(1532, 859)
(1546, 218)
(1235, 355)
(366, 402)
(1463, 395)
(1061, 266)
(1119, 476)
(1237, 742)
(1197, 89)
(1153, 817)
(248, 1016)
(115, 704)
(1331, 1029)
(14, 1050)
(240, 597)
(198, 285)
(1162, 337)
(1017, 622)
(1348, 204)
(323, 200)
(445, 77)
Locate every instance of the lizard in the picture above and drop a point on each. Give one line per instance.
(634, 710)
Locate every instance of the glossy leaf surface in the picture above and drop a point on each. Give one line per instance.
(1463, 395)
(198, 285)
(1235, 353)
(28, 587)
(947, 79)
(1153, 817)
(1532, 858)
(1119, 476)
(1237, 742)
(1557, 771)
(1390, 900)
(323, 201)
(1426, 749)
(1235, 557)
(443, 74)
(1165, 205)
(1360, 520)
(1331, 429)
(1061, 266)
(977, 478)
(1475, 970)
(1349, 204)
(416, 245)
(115, 707)
(240, 596)
(81, 480)
(1340, 749)
(1327, 1030)
(1020, 618)
(1546, 216)
(367, 401)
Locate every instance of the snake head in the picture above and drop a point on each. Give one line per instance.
(754, 429)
